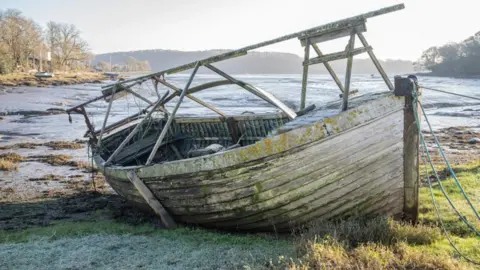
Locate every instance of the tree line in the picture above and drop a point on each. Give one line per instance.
(130, 64)
(25, 45)
(453, 59)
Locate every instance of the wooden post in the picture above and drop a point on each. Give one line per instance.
(411, 141)
(170, 118)
(348, 74)
(151, 200)
(305, 75)
(375, 61)
(106, 116)
(329, 68)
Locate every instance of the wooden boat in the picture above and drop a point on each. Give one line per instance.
(266, 172)
(44, 75)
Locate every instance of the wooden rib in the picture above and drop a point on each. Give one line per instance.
(171, 116)
(375, 61)
(99, 142)
(151, 200)
(201, 87)
(348, 75)
(329, 68)
(306, 59)
(336, 56)
(199, 101)
(256, 91)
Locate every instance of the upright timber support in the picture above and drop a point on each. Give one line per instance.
(106, 115)
(305, 75)
(375, 61)
(172, 115)
(411, 141)
(151, 200)
(348, 74)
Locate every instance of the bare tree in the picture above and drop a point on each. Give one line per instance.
(66, 45)
(19, 35)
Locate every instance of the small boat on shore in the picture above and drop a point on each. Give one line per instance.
(44, 75)
(265, 172)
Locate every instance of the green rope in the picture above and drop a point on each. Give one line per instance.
(427, 154)
(442, 153)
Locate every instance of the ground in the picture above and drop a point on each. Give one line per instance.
(67, 217)
(60, 78)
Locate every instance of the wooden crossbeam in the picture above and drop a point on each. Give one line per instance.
(336, 56)
(197, 100)
(329, 68)
(333, 34)
(151, 200)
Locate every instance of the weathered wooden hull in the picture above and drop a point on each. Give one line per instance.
(344, 165)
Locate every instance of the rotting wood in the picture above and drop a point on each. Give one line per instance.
(348, 74)
(171, 116)
(199, 101)
(133, 132)
(337, 33)
(375, 61)
(151, 200)
(336, 56)
(411, 161)
(329, 68)
(306, 59)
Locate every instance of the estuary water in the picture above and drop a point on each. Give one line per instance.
(23, 119)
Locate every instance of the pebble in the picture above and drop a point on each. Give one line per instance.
(474, 140)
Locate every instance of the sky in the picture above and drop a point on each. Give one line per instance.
(124, 25)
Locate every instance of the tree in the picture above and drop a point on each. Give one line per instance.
(19, 37)
(66, 45)
(104, 66)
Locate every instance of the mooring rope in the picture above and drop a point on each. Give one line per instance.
(427, 154)
(448, 92)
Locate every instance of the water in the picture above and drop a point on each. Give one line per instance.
(443, 110)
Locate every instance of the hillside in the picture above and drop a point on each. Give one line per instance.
(253, 63)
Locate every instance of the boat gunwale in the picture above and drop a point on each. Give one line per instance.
(320, 127)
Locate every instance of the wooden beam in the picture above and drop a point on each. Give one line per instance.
(375, 61)
(199, 101)
(151, 200)
(336, 56)
(135, 130)
(106, 116)
(411, 163)
(337, 33)
(256, 91)
(348, 74)
(171, 116)
(326, 27)
(306, 59)
(329, 68)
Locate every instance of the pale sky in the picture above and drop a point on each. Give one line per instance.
(123, 25)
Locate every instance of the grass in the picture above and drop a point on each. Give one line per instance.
(54, 145)
(378, 243)
(8, 161)
(6, 165)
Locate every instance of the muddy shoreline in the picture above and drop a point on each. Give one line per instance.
(78, 193)
(25, 79)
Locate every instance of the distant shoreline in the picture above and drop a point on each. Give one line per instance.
(432, 74)
(61, 78)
